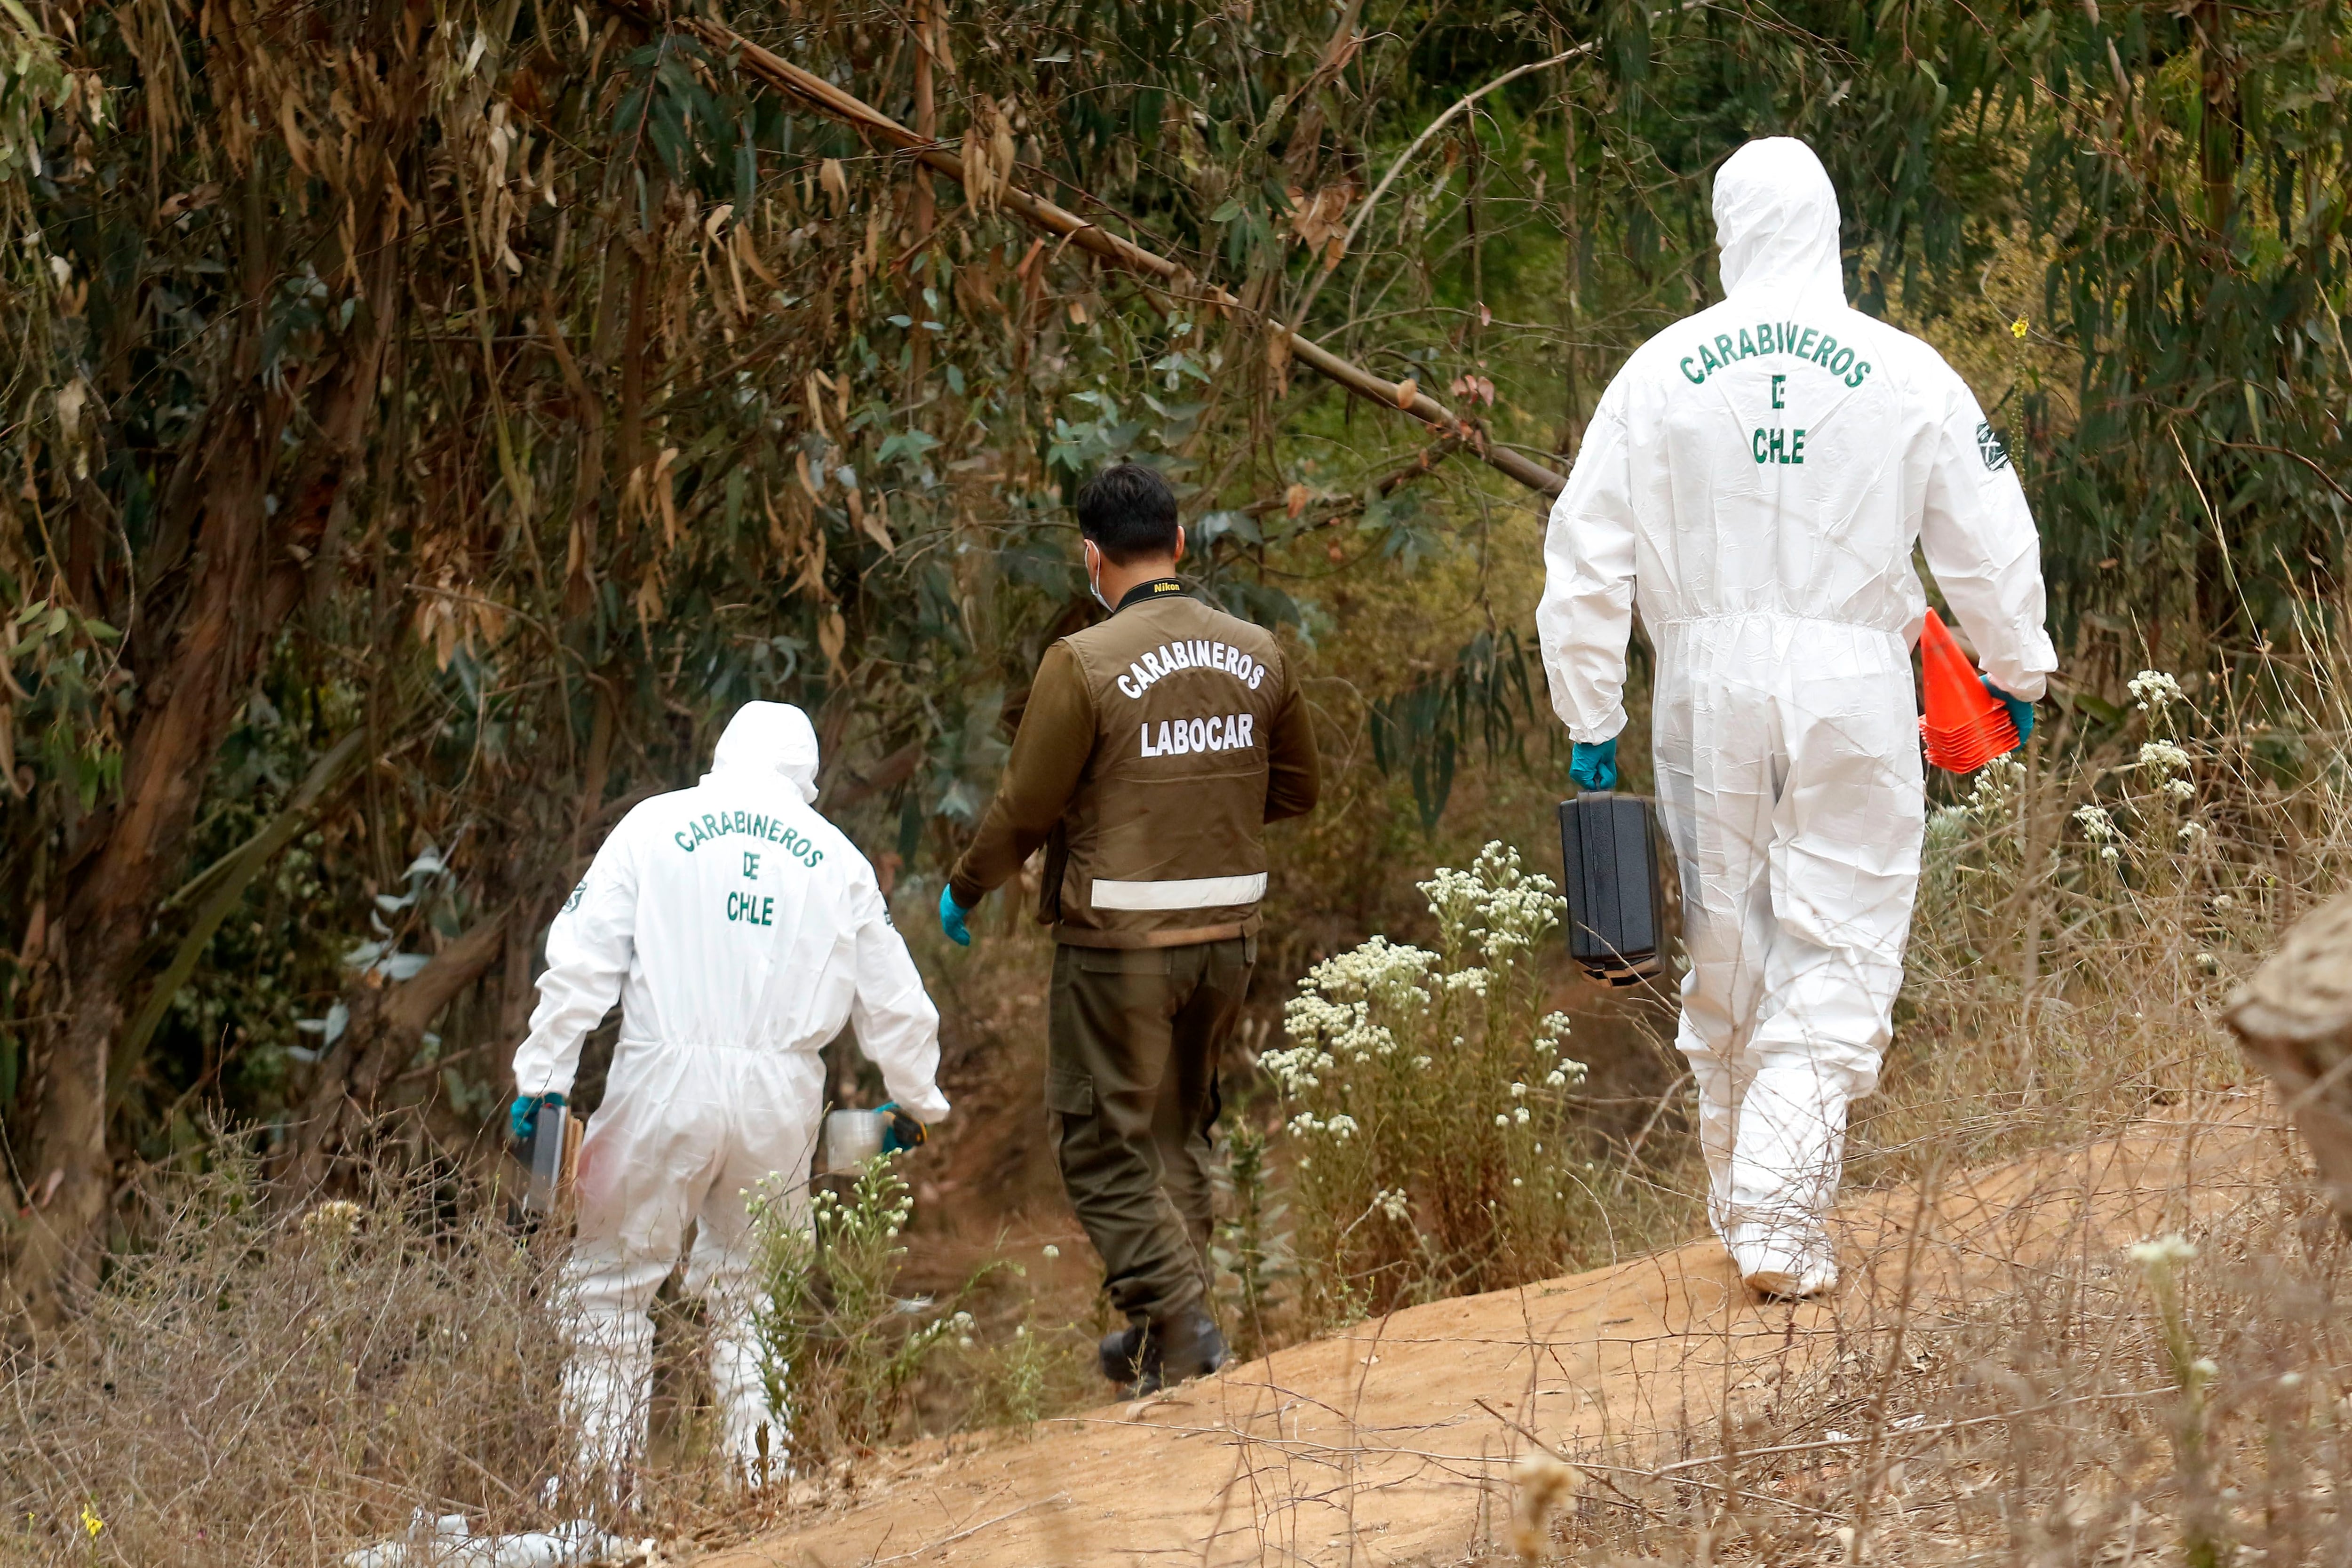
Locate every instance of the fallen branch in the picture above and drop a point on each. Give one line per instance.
(386, 1027)
(1125, 253)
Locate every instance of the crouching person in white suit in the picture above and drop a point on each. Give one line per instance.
(739, 931)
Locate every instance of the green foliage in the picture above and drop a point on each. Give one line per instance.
(839, 1350)
(1252, 1249)
(2184, 170)
(1425, 730)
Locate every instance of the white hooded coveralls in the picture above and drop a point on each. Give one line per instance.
(1755, 478)
(739, 931)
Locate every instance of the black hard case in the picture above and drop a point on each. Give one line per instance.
(1616, 904)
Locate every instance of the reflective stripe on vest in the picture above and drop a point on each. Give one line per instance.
(1183, 893)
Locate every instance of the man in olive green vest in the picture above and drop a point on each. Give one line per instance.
(1156, 746)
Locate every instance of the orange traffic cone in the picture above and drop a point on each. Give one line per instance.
(1965, 726)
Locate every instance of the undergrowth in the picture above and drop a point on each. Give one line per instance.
(255, 1383)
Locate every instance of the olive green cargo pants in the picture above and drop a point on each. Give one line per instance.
(1133, 1037)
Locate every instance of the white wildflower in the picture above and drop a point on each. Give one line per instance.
(1518, 1091)
(1395, 1205)
(2191, 835)
(2098, 826)
(1995, 788)
(2163, 759)
(1520, 1116)
(2152, 689)
(1502, 1120)
(2179, 790)
(2163, 1252)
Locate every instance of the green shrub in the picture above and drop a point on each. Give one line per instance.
(838, 1349)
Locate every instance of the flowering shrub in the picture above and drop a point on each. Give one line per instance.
(1425, 1093)
(837, 1348)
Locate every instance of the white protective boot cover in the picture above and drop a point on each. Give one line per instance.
(1756, 480)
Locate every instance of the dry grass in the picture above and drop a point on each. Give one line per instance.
(258, 1384)
(2009, 1380)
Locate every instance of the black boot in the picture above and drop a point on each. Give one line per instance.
(1121, 1355)
(1179, 1348)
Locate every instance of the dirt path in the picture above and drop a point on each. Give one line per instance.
(1389, 1444)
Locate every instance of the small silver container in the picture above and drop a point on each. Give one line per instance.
(851, 1138)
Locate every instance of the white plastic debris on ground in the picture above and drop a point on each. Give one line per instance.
(445, 1542)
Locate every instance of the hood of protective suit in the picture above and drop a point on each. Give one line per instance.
(770, 738)
(1776, 221)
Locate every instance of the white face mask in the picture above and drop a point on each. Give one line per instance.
(1093, 578)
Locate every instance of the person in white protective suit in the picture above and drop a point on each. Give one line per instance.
(1755, 479)
(739, 931)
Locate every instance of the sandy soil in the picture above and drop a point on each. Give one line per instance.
(1391, 1443)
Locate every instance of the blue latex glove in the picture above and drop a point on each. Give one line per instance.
(524, 1113)
(952, 919)
(903, 1132)
(2021, 712)
(1594, 767)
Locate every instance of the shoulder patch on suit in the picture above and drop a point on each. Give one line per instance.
(1996, 455)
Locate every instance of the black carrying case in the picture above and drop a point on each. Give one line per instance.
(1616, 904)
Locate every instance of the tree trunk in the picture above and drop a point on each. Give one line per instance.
(226, 573)
(184, 712)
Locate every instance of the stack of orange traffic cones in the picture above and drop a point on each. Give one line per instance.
(1965, 726)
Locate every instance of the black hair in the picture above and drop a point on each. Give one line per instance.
(1130, 512)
